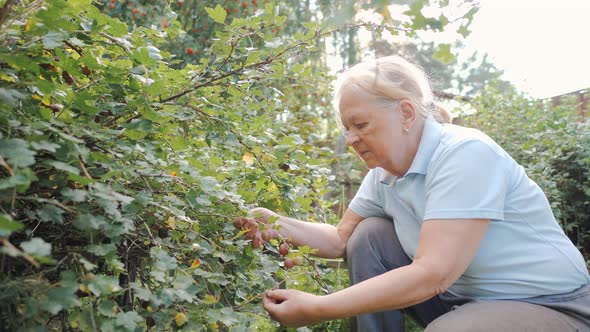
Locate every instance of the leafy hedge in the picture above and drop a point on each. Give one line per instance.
(120, 171)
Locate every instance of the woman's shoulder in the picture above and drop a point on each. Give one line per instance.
(456, 138)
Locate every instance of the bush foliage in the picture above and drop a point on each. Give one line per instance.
(122, 169)
(124, 157)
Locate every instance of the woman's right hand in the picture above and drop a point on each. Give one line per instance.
(258, 235)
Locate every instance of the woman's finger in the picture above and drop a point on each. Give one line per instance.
(278, 295)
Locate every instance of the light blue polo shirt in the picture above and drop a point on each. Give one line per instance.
(462, 173)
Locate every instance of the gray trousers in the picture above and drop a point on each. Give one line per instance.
(374, 249)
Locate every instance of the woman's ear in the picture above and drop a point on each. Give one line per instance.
(408, 113)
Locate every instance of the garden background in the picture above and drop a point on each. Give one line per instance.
(132, 133)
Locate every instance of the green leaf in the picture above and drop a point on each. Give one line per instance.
(16, 152)
(45, 145)
(102, 284)
(128, 320)
(36, 247)
(163, 261)
(7, 225)
(90, 222)
(61, 298)
(51, 213)
(10, 96)
(63, 166)
(87, 265)
(218, 14)
(74, 195)
(108, 308)
(53, 39)
(443, 54)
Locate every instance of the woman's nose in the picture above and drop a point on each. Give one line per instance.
(351, 138)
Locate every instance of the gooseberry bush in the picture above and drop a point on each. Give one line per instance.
(122, 169)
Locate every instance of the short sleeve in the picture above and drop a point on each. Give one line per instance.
(469, 180)
(367, 202)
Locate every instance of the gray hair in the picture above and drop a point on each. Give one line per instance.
(390, 79)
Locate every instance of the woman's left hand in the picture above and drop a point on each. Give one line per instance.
(292, 308)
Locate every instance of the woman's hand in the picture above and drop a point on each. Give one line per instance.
(292, 308)
(257, 235)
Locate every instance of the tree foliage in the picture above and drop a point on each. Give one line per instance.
(122, 171)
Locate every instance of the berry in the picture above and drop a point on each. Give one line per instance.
(283, 249)
(189, 51)
(289, 263)
(298, 260)
(179, 3)
(112, 6)
(244, 4)
(135, 10)
(266, 235)
(163, 233)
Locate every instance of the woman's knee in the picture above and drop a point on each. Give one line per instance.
(484, 316)
(369, 231)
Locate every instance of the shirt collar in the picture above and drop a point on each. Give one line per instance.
(428, 143)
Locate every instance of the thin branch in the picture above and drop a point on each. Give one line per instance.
(446, 95)
(5, 164)
(9, 245)
(86, 174)
(4, 11)
(49, 201)
(270, 59)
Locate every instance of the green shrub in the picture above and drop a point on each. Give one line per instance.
(120, 173)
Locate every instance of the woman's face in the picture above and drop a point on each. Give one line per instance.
(376, 132)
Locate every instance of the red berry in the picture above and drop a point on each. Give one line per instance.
(284, 249)
(135, 10)
(179, 3)
(189, 51)
(289, 263)
(244, 4)
(111, 6)
(235, 10)
(254, 2)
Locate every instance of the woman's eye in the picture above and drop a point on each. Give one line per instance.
(361, 125)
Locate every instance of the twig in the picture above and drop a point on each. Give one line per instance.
(5, 164)
(4, 11)
(30, 259)
(150, 233)
(84, 169)
(49, 201)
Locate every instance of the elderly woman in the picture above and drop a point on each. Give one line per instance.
(446, 227)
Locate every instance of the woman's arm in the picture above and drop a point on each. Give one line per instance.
(329, 240)
(445, 249)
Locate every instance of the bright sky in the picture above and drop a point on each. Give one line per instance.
(542, 45)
